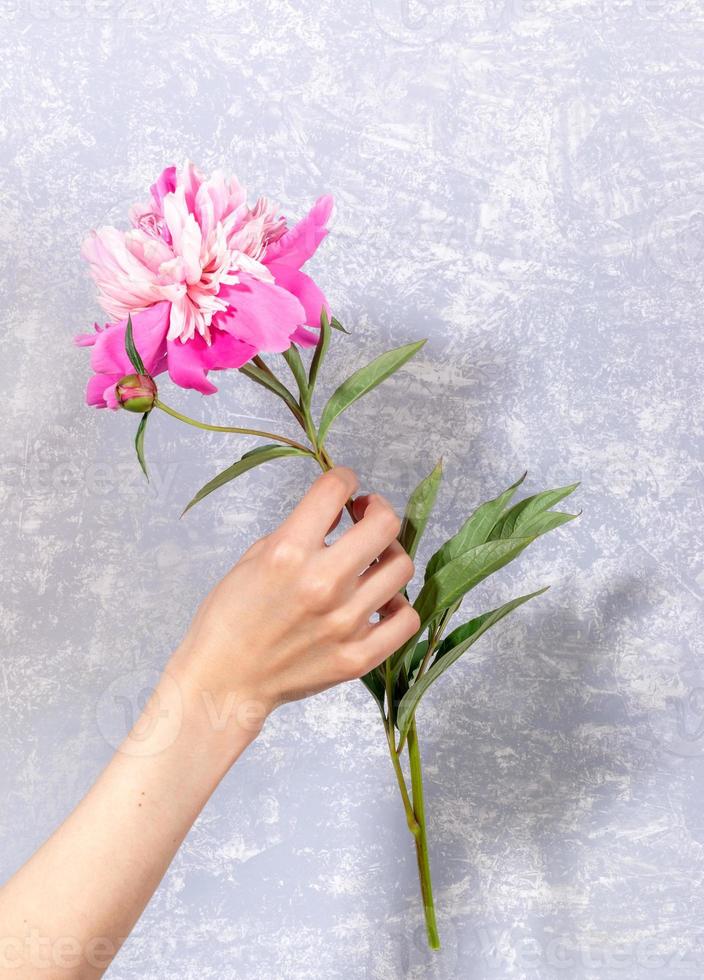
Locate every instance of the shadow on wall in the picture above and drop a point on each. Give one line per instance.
(533, 748)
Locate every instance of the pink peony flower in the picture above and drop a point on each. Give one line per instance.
(208, 281)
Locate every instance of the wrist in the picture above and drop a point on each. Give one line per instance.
(222, 719)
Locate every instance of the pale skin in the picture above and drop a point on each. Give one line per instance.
(290, 619)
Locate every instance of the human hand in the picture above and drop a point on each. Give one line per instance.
(292, 617)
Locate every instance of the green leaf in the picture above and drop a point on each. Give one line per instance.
(255, 457)
(270, 382)
(451, 650)
(542, 523)
(336, 325)
(132, 352)
(295, 362)
(374, 683)
(139, 443)
(321, 349)
(475, 530)
(458, 576)
(453, 580)
(364, 380)
(522, 513)
(418, 509)
(414, 658)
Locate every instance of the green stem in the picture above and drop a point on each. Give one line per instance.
(396, 762)
(415, 808)
(228, 428)
(295, 410)
(432, 646)
(421, 839)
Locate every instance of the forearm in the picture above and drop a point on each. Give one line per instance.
(294, 616)
(66, 912)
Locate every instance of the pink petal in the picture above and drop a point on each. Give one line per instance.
(304, 338)
(149, 330)
(190, 362)
(298, 245)
(310, 296)
(96, 389)
(260, 313)
(164, 184)
(87, 339)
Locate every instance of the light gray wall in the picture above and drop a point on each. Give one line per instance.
(520, 181)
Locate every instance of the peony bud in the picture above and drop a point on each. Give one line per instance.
(136, 393)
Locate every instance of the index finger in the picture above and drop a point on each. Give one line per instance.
(312, 518)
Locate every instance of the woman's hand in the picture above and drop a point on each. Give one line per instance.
(293, 616)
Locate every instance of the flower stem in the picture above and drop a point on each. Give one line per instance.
(228, 428)
(411, 820)
(421, 839)
(415, 807)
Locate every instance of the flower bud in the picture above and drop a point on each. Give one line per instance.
(136, 393)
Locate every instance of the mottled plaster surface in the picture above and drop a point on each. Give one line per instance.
(521, 182)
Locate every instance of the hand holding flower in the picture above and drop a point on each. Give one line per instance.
(293, 615)
(203, 283)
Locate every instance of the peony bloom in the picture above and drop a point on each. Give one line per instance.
(208, 282)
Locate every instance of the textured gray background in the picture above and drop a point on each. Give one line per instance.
(522, 182)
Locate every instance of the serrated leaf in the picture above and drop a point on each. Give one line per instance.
(510, 524)
(475, 530)
(270, 382)
(132, 352)
(363, 381)
(255, 457)
(336, 325)
(295, 362)
(418, 509)
(452, 648)
(139, 443)
(321, 349)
